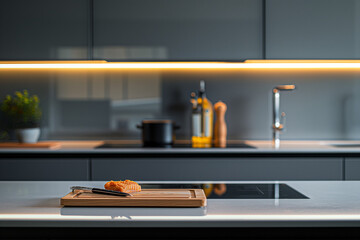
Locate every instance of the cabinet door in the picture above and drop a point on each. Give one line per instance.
(177, 30)
(215, 169)
(352, 168)
(312, 29)
(20, 169)
(42, 30)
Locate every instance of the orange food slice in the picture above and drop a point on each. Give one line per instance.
(127, 186)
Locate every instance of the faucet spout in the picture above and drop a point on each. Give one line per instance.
(278, 125)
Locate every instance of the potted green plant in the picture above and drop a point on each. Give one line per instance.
(24, 115)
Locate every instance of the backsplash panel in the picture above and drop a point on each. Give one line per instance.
(325, 106)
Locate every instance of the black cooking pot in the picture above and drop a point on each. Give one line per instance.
(158, 133)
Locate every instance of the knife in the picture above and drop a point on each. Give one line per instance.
(101, 191)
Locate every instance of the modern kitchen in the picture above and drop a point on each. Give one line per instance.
(157, 119)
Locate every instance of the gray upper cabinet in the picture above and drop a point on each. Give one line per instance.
(312, 29)
(43, 30)
(177, 30)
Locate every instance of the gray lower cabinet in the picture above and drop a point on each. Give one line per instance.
(44, 169)
(188, 169)
(352, 168)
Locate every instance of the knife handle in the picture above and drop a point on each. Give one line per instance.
(110, 192)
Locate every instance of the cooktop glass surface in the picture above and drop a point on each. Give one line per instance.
(115, 145)
(239, 191)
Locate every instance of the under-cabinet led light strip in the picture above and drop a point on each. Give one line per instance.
(249, 64)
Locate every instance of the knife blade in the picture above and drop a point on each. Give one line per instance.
(101, 191)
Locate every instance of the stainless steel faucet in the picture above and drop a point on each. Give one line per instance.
(278, 124)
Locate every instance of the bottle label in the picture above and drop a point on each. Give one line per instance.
(207, 123)
(196, 125)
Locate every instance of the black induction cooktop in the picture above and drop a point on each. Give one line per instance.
(239, 191)
(116, 145)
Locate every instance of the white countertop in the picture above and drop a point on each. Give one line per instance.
(37, 204)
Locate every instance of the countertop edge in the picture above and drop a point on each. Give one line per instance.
(177, 151)
(180, 224)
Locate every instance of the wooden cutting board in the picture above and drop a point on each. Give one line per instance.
(145, 198)
(49, 145)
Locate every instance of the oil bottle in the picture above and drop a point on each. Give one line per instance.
(195, 116)
(206, 120)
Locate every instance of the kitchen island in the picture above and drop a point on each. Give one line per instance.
(32, 206)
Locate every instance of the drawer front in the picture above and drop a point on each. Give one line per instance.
(48, 169)
(352, 168)
(214, 169)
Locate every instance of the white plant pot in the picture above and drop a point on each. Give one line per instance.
(28, 135)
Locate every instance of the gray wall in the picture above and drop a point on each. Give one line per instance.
(324, 106)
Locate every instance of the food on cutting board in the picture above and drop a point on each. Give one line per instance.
(127, 186)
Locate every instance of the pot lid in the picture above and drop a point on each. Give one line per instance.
(157, 121)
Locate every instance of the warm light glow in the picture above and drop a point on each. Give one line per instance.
(248, 64)
(301, 61)
(121, 65)
(305, 64)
